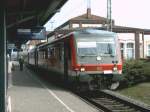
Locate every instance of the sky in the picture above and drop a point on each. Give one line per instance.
(130, 13)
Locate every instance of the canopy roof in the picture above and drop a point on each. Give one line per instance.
(28, 13)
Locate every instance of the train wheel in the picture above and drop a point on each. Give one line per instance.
(114, 85)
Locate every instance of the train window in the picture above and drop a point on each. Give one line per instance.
(86, 48)
(129, 45)
(96, 48)
(46, 53)
(40, 55)
(43, 54)
(62, 54)
(57, 52)
(105, 48)
(49, 52)
(96, 45)
(54, 52)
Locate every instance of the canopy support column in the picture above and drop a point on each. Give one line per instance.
(137, 46)
(2, 57)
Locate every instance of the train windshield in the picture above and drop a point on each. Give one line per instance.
(87, 48)
(105, 49)
(99, 47)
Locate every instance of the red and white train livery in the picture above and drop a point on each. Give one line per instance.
(86, 56)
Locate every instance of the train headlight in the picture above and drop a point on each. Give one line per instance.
(115, 68)
(82, 69)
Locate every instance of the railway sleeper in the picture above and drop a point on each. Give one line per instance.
(116, 110)
(115, 105)
(106, 101)
(109, 101)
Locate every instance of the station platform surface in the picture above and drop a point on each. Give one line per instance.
(27, 93)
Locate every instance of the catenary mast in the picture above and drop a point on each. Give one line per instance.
(109, 18)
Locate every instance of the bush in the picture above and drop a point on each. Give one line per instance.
(146, 70)
(134, 72)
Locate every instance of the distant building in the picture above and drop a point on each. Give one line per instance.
(127, 45)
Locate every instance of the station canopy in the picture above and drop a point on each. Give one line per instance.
(27, 14)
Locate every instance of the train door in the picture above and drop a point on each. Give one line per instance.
(67, 57)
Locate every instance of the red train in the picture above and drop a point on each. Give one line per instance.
(90, 57)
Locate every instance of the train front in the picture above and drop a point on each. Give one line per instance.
(98, 59)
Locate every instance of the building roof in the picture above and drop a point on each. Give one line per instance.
(86, 18)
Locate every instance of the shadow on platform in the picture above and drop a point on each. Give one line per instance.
(29, 78)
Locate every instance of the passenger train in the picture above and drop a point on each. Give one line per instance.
(88, 57)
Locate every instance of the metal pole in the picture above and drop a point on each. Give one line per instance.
(2, 57)
(89, 4)
(109, 18)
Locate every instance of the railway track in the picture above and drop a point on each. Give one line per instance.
(108, 101)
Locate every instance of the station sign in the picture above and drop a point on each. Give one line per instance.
(34, 33)
(10, 46)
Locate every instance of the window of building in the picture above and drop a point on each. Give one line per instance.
(91, 25)
(148, 50)
(130, 50)
(75, 25)
(130, 45)
(121, 45)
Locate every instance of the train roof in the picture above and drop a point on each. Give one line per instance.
(93, 31)
(84, 31)
(77, 32)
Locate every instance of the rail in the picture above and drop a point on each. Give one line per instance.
(112, 102)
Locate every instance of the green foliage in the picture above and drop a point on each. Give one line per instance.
(146, 70)
(136, 71)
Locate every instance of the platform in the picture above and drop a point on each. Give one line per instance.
(29, 94)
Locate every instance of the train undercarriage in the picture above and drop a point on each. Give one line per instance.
(95, 82)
